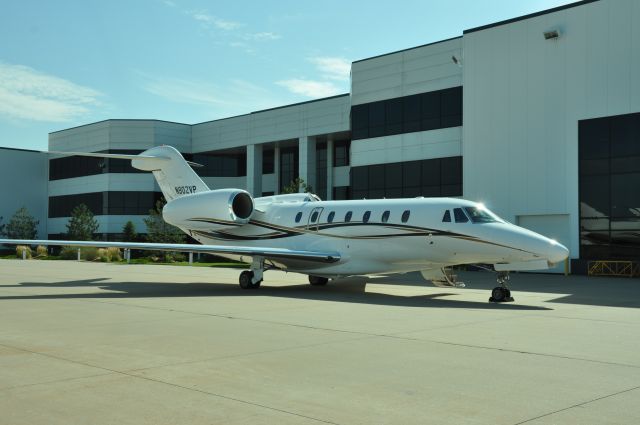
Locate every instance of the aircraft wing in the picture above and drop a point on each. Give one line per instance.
(268, 253)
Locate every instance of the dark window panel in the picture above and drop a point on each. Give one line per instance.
(411, 192)
(451, 190)
(359, 194)
(341, 193)
(412, 115)
(360, 121)
(625, 200)
(594, 138)
(268, 160)
(393, 175)
(377, 194)
(393, 116)
(341, 153)
(377, 119)
(451, 170)
(393, 193)
(411, 173)
(595, 166)
(431, 191)
(625, 136)
(359, 178)
(431, 174)
(451, 104)
(377, 176)
(595, 196)
(430, 111)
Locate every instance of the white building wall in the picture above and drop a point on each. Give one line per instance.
(324, 116)
(430, 144)
(24, 176)
(412, 71)
(418, 70)
(523, 98)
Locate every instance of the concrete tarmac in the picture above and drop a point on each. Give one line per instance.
(91, 343)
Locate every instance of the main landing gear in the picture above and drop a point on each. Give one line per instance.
(251, 279)
(501, 294)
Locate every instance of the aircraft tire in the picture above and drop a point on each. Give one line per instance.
(245, 279)
(317, 280)
(498, 294)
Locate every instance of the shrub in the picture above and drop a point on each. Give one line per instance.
(69, 253)
(114, 254)
(41, 251)
(21, 248)
(103, 255)
(90, 254)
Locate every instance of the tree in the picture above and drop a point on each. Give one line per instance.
(159, 231)
(2, 227)
(295, 186)
(82, 224)
(22, 225)
(129, 232)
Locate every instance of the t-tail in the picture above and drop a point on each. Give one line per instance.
(173, 173)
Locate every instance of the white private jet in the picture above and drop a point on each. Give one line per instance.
(331, 239)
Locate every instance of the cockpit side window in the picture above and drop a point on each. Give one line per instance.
(298, 217)
(460, 216)
(447, 217)
(482, 215)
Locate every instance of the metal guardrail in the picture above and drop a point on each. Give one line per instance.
(613, 268)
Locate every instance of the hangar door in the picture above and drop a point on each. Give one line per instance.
(555, 226)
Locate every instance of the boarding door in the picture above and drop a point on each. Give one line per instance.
(314, 219)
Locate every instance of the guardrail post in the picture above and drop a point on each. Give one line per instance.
(24, 254)
(191, 258)
(78, 254)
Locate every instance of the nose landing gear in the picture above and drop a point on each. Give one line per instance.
(501, 294)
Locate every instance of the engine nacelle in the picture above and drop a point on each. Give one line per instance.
(223, 207)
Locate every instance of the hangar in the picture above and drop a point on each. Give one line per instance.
(537, 116)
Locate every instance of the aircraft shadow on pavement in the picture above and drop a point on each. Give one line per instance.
(573, 289)
(350, 290)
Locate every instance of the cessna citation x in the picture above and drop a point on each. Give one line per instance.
(331, 239)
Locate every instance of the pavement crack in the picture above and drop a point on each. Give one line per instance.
(584, 403)
(158, 381)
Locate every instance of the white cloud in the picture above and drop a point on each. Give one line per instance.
(235, 97)
(333, 68)
(310, 88)
(208, 19)
(262, 36)
(29, 94)
(181, 90)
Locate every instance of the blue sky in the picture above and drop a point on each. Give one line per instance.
(66, 63)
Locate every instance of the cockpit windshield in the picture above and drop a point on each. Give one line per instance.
(482, 215)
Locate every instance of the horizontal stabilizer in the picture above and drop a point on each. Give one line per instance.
(131, 157)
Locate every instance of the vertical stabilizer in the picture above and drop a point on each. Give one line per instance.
(174, 175)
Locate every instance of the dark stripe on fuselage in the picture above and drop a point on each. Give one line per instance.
(285, 232)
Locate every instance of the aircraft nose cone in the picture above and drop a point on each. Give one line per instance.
(557, 252)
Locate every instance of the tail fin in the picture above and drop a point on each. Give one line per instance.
(172, 172)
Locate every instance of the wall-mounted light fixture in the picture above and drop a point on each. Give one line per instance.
(551, 35)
